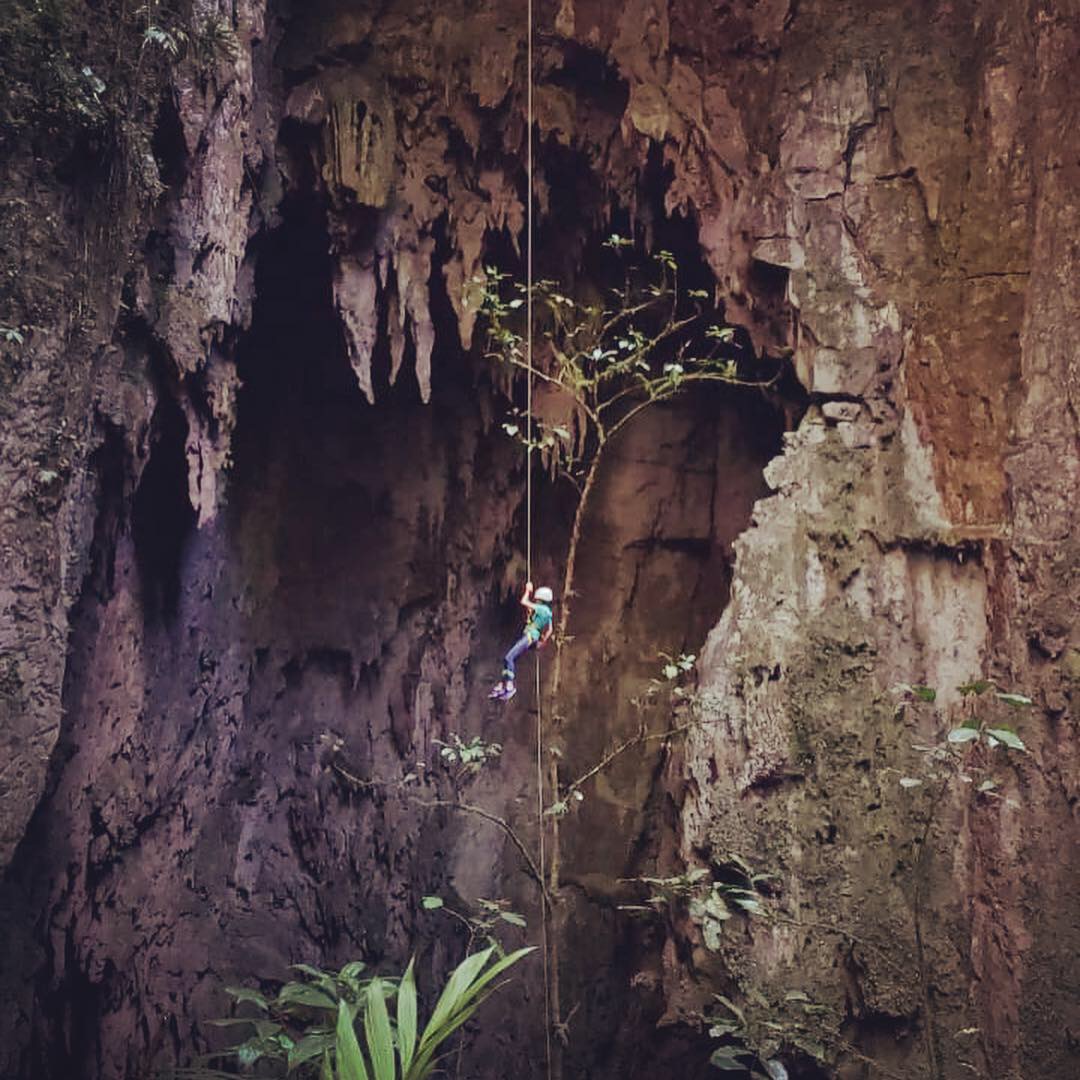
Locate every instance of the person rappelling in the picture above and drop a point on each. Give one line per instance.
(537, 633)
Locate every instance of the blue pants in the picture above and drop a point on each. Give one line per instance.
(521, 646)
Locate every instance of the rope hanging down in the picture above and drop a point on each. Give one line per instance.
(528, 512)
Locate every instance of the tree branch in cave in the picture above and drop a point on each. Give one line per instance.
(640, 739)
(449, 804)
(649, 345)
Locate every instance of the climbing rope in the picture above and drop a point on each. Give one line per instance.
(528, 515)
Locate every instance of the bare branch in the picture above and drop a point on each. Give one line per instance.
(639, 739)
(451, 804)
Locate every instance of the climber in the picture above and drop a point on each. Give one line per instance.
(537, 632)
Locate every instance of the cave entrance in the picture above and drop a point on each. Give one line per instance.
(162, 517)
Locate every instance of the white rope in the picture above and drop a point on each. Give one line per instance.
(528, 514)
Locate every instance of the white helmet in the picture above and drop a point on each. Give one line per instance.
(544, 595)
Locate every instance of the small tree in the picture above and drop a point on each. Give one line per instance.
(609, 361)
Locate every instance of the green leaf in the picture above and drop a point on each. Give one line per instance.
(722, 1059)
(431, 903)
(731, 1007)
(453, 996)
(458, 1001)
(352, 969)
(321, 977)
(1007, 738)
(308, 1048)
(250, 1021)
(720, 1028)
(307, 969)
(979, 686)
(924, 693)
(1017, 701)
(249, 1052)
(796, 995)
(350, 1061)
(512, 917)
(910, 782)
(406, 1018)
(963, 734)
(753, 906)
(301, 994)
(380, 1041)
(242, 993)
(986, 785)
(326, 1070)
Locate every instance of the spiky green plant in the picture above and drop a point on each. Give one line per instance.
(310, 1027)
(410, 1056)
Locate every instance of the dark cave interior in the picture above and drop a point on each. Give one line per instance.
(352, 602)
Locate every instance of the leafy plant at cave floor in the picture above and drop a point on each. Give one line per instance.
(309, 1028)
(758, 1037)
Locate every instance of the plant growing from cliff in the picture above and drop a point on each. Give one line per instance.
(956, 757)
(467, 757)
(670, 680)
(708, 902)
(756, 1038)
(490, 917)
(90, 78)
(965, 756)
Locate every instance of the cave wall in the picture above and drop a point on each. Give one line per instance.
(885, 193)
(918, 533)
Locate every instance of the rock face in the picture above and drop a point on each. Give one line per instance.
(260, 519)
(918, 534)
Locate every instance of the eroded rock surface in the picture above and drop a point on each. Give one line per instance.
(236, 536)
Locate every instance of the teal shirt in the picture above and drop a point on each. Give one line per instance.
(539, 621)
